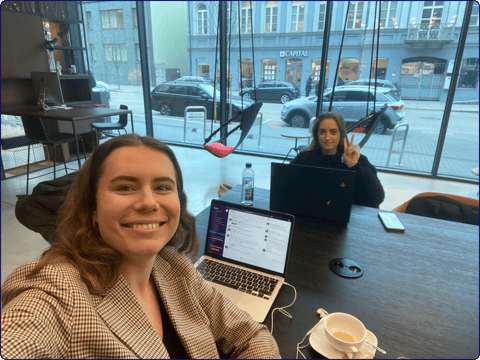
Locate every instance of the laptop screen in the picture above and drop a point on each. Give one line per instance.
(249, 236)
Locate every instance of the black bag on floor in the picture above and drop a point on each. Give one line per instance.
(444, 208)
(39, 211)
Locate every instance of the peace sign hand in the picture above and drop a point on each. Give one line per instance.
(351, 154)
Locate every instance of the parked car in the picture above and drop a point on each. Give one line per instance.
(380, 83)
(101, 87)
(351, 103)
(282, 91)
(171, 98)
(198, 79)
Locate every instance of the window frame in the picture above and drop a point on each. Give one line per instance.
(202, 19)
(433, 7)
(321, 12)
(295, 26)
(121, 46)
(355, 13)
(246, 17)
(269, 17)
(119, 23)
(387, 7)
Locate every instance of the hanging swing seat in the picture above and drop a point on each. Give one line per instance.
(246, 118)
(371, 122)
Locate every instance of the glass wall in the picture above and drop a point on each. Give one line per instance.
(417, 46)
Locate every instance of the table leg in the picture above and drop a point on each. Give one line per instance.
(131, 117)
(294, 148)
(76, 145)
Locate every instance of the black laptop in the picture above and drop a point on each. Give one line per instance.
(312, 194)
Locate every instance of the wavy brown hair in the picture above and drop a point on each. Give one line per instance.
(79, 241)
(315, 144)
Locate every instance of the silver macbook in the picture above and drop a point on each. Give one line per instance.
(246, 254)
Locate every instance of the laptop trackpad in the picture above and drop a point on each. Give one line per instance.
(232, 294)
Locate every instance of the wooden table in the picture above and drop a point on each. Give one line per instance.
(296, 136)
(77, 113)
(419, 293)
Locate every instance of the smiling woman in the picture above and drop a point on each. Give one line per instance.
(118, 282)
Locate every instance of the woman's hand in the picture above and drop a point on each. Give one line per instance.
(350, 155)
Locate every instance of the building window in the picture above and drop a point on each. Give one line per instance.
(246, 19)
(316, 70)
(388, 17)
(247, 72)
(348, 69)
(269, 69)
(382, 68)
(355, 15)
(468, 73)
(202, 19)
(474, 17)
(89, 20)
(298, 14)
(135, 17)
(271, 16)
(93, 52)
(137, 52)
(115, 52)
(432, 12)
(321, 15)
(112, 19)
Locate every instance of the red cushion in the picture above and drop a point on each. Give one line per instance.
(358, 130)
(218, 149)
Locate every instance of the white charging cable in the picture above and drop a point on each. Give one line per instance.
(322, 313)
(282, 309)
(45, 106)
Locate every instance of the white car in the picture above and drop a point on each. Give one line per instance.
(351, 103)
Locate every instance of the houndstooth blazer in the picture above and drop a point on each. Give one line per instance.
(53, 315)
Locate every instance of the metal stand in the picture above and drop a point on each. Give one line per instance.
(398, 135)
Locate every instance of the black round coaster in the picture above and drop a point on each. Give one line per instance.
(346, 268)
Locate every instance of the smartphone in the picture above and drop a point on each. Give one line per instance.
(390, 221)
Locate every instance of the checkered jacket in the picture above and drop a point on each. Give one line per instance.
(53, 315)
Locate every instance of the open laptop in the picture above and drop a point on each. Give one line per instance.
(246, 254)
(312, 194)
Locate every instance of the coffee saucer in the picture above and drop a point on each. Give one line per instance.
(320, 344)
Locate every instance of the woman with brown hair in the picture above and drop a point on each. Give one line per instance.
(118, 281)
(330, 148)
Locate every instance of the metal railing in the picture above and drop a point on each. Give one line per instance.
(398, 135)
(442, 31)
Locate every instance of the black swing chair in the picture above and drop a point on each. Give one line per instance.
(245, 117)
(370, 121)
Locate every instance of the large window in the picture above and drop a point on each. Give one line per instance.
(202, 20)
(348, 69)
(355, 15)
(322, 6)
(115, 53)
(474, 18)
(298, 15)
(112, 19)
(93, 53)
(271, 16)
(89, 20)
(269, 69)
(316, 68)
(246, 17)
(135, 17)
(388, 17)
(432, 12)
(468, 74)
(382, 68)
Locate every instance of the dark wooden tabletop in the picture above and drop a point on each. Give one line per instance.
(419, 293)
(75, 114)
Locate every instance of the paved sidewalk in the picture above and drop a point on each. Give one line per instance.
(440, 106)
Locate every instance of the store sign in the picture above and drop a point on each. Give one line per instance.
(293, 53)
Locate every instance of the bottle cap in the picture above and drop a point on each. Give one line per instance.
(249, 165)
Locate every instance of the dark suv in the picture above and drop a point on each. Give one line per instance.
(282, 91)
(171, 98)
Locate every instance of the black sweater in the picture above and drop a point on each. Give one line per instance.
(368, 189)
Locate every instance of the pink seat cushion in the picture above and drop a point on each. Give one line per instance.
(219, 149)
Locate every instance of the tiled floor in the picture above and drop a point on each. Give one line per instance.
(203, 173)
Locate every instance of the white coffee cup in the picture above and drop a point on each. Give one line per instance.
(345, 333)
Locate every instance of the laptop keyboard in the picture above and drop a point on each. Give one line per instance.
(239, 279)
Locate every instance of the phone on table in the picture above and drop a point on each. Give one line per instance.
(390, 221)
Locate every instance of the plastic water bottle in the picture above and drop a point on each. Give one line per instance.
(248, 177)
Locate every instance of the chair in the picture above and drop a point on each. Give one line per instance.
(122, 122)
(36, 134)
(402, 208)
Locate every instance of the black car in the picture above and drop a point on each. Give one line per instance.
(282, 91)
(171, 98)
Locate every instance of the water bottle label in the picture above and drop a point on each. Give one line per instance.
(249, 194)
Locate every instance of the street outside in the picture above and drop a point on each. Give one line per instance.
(459, 157)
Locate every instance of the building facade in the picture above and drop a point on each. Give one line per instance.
(418, 44)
